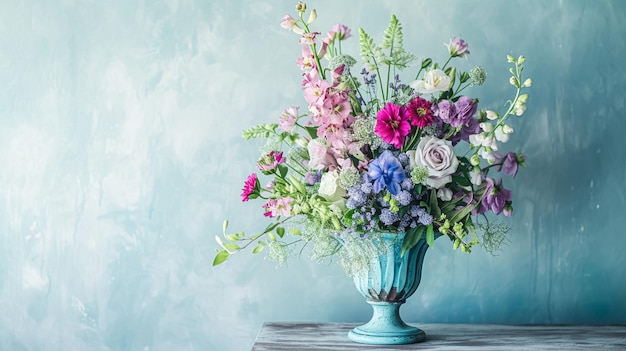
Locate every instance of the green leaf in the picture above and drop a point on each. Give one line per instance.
(462, 181)
(231, 246)
(258, 249)
(434, 206)
(270, 227)
(430, 235)
(411, 238)
(282, 170)
(220, 257)
(271, 236)
(232, 237)
(280, 231)
(295, 231)
(225, 226)
(459, 215)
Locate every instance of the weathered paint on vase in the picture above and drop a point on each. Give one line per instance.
(391, 279)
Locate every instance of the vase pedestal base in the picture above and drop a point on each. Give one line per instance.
(386, 327)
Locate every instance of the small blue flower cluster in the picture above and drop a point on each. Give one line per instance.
(375, 211)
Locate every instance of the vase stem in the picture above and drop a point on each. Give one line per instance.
(386, 327)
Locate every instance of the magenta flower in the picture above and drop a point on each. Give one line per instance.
(251, 188)
(278, 207)
(458, 48)
(270, 161)
(392, 124)
(420, 113)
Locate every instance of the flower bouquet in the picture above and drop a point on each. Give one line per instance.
(371, 154)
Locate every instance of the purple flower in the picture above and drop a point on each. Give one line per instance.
(497, 198)
(471, 127)
(445, 110)
(509, 163)
(386, 172)
(465, 108)
(458, 47)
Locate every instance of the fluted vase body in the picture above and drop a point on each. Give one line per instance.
(391, 279)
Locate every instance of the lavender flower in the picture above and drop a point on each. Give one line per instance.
(388, 217)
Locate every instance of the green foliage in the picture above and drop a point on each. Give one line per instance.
(264, 130)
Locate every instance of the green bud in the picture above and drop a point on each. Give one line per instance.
(475, 160)
(521, 59)
(301, 7)
(426, 62)
(510, 58)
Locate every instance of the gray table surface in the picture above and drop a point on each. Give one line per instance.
(333, 336)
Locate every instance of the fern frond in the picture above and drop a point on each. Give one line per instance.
(393, 35)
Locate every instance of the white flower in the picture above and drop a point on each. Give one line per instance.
(475, 177)
(502, 133)
(437, 155)
(486, 126)
(434, 80)
(491, 115)
(444, 194)
(330, 189)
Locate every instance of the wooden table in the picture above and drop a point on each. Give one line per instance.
(333, 336)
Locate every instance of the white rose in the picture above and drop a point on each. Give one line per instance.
(330, 189)
(434, 80)
(437, 155)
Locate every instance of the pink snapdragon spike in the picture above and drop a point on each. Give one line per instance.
(392, 124)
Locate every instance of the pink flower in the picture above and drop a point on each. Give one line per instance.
(270, 161)
(288, 22)
(420, 113)
(339, 31)
(278, 207)
(392, 124)
(458, 47)
(288, 118)
(250, 188)
(308, 38)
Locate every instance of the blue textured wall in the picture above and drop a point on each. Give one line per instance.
(120, 155)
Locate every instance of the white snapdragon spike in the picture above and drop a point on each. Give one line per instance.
(486, 127)
(444, 194)
(491, 115)
(475, 177)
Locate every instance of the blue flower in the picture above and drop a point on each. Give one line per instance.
(386, 172)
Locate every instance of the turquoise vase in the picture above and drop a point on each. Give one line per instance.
(390, 280)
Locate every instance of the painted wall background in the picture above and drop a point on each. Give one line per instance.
(120, 156)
